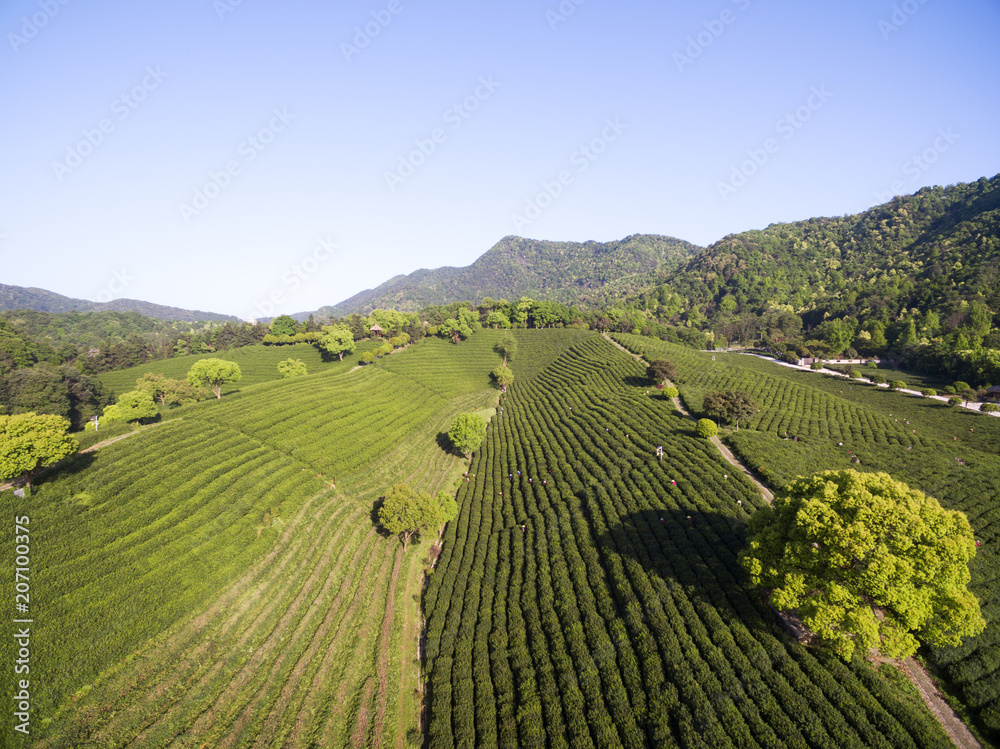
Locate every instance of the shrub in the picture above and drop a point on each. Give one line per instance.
(950, 389)
(670, 392)
(816, 365)
(989, 408)
(929, 392)
(897, 385)
(854, 374)
(707, 428)
(367, 358)
(960, 386)
(954, 401)
(876, 378)
(872, 365)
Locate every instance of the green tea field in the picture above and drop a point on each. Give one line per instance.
(217, 579)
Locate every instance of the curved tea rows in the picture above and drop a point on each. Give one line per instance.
(949, 453)
(589, 595)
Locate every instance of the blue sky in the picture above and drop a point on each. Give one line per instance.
(258, 158)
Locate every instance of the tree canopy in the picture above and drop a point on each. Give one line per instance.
(169, 391)
(467, 432)
(867, 563)
(131, 406)
(732, 405)
(507, 347)
(291, 368)
(214, 373)
(662, 371)
(338, 340)
(406, 511)
(30, 441)
(503, 376)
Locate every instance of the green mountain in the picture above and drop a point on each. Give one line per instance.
(569, 272)
(20, 297)
(930, 251)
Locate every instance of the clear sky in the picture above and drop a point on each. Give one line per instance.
(252, 157)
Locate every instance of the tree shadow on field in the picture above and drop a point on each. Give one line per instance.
(74, 464)
(695, 553)
(444, 442)
(376, 521)
(638, 381)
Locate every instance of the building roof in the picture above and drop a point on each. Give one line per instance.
(375, 327)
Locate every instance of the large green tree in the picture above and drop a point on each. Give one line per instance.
(732, 405)
(131, 406)
(338, 340)
(284, 325)
(507, 347)
(30, 441)
(867, 562)
(214, 373)
(503, 376)
(467, 432)
(406, 511)
(292, 368)
(662, 372)
(168, 391)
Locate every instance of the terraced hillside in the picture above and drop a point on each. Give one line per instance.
(588, 593)
(216, 580)
(258, 364)
(949, 453)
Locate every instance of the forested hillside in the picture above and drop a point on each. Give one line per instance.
(20, 297)
(567, 272)
(918, 276)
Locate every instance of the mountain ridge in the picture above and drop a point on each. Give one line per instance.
(567, 272)
(42, 300)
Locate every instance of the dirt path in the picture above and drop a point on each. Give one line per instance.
(957, 731)
(726, 452)
(10, 484)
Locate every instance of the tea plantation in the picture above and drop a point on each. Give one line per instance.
(217, 579)
(588, 593)
(950, 453)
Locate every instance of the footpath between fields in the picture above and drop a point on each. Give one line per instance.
(826, 370)
(945, 715)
